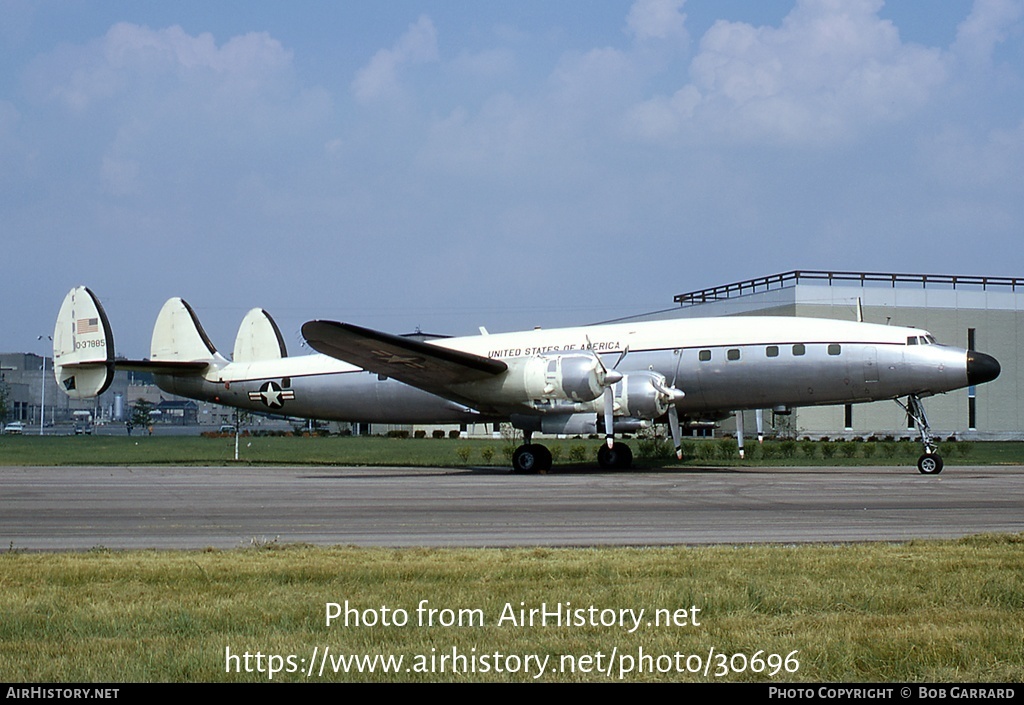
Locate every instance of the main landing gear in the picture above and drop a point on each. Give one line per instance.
(930, 463)
(532, 458)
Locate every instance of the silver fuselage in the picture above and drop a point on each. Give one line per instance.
(721, 364)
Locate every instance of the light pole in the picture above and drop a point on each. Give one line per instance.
(42, 393)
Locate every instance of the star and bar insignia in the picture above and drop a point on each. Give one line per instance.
(272, 395)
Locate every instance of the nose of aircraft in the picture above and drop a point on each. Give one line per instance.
(981, 368)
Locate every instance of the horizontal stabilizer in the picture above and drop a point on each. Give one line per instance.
(83, 346)
(429, 367)
(259, 338)
(164, 367)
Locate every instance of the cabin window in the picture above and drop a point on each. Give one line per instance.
(704, 355)
(799, 349)
(772, 351)
(733, 354)
(834, 349)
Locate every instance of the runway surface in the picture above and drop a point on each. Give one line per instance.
(46, 508)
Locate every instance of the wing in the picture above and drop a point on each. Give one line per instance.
(428, 367)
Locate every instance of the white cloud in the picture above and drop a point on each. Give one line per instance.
(379, 79)
(657, 19)
(989, 23)
(131, 57)
(829, 71)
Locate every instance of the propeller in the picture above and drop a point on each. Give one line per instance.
(672, 395)
(608, 378)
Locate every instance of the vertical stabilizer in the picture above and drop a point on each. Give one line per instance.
(259, 338)
(178, 336)
(83, 346)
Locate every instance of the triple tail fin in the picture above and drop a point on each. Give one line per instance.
(258, 339)
(178, 337)
(83, 346)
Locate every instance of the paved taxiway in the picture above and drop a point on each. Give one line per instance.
(79, 508)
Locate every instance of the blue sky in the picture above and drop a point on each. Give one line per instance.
(447, 164)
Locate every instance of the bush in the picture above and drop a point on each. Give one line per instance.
(577, 452)
(420, 433)
(455, 433)
(487, 453)
(437, 433)
(464, 452)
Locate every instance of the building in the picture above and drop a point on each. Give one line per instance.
(983, 313)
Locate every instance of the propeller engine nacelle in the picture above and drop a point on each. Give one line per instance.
(573, 378)
(644, 395)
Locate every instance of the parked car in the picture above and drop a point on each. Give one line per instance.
(16, 427)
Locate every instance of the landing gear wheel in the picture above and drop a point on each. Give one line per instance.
(930, 464)
(531, 459)
(618, 457)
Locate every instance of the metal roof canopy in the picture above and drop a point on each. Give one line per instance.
(792, 278)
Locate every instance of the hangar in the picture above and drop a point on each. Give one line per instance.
(982, 313)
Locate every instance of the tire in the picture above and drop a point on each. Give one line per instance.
(618, 457)
(531, 459)
(929, 464)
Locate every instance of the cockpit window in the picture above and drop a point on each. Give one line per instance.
(921, 340)
(912, 340)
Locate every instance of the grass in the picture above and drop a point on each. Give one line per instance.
(341, 450)
(928, 611)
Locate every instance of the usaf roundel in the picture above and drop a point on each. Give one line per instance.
(272, 395)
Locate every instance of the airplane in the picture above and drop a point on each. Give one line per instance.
(615, 377)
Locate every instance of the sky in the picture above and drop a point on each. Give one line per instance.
(448, 164)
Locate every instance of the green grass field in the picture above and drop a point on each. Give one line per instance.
(930, 611)
(341, 450)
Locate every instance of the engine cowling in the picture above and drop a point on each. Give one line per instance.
(644, 395)
(570, 378)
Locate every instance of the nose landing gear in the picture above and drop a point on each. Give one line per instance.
(930, 463)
